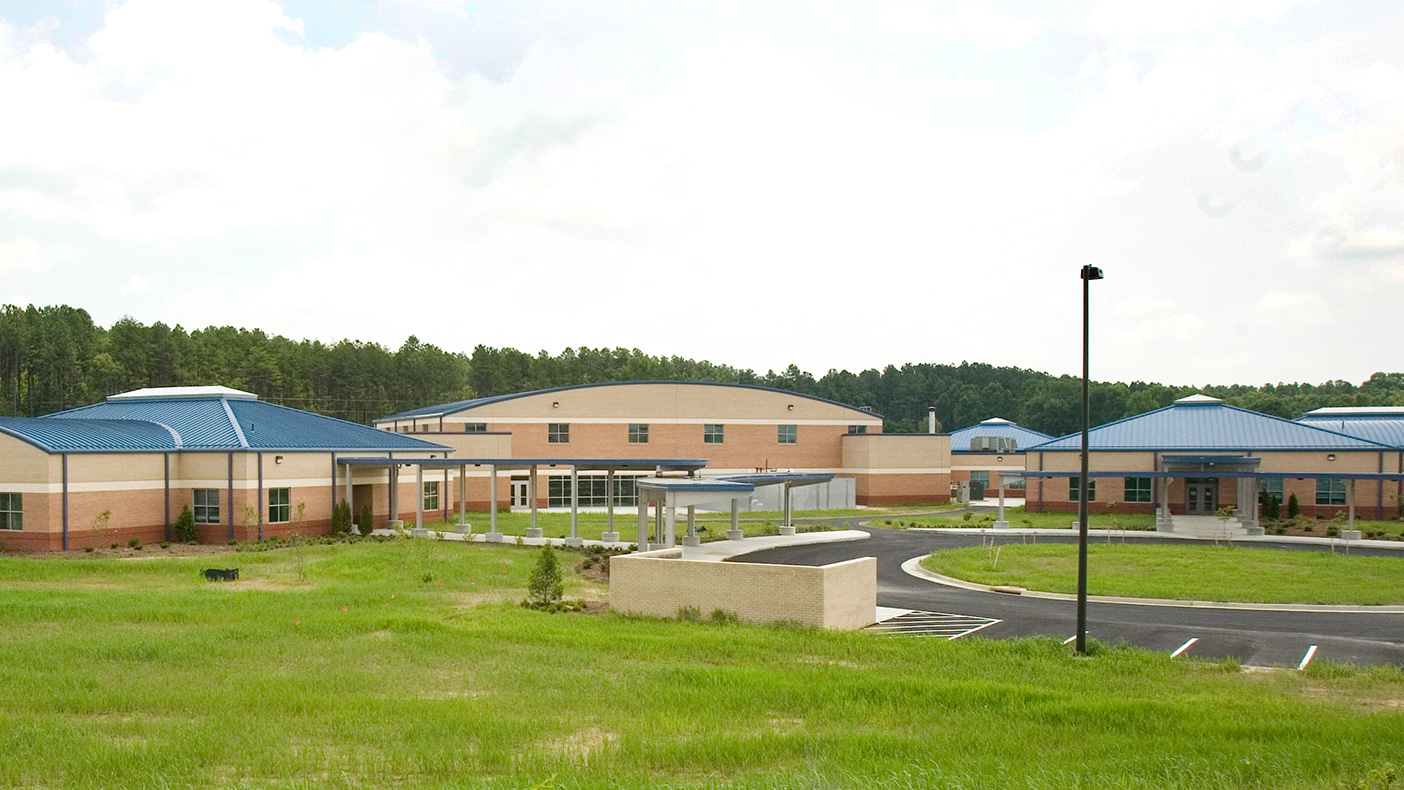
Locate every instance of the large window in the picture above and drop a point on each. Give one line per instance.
(431, 495)
(789, 434)
(475, 427)
(712, 434)
(1330, 491)
(1138, 489)
(1073, 483)
(207, 506)
(593, 491)
(1271, 487)
(558, 433)
(279, 511)
(981, 476)
(638, 433)
(11, 511)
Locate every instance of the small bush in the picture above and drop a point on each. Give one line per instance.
(723, 617)
(165, 544)
(544, 589)
(689, 614)
(88, 549)
(341, 518)
(113, 546)
(1293, 508)
(366, 523)
(184, 526)
(134, 543)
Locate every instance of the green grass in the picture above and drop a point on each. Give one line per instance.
(1019, 518)
(1206, 573)
(137, 674)
(591, 525)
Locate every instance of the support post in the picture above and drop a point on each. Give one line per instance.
(691, 539)
(1089, 273)
(533, 531)
(493, 535)
(574, 540)
(1350, 532)
(419, 530)
(463, 501)
(167, 533)
(670, 516)
(643, 521)
(735, 533)
(786, 528)
(260, 497)
(1000, 523)
(609, 536)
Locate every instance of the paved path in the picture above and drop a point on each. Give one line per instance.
(1256, 637)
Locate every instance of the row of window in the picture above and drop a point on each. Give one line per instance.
(594, 491)
(1138, 489)
(206, 505)
(559, 433)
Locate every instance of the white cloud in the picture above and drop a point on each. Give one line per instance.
(26, 254)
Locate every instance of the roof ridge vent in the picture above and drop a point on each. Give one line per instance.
(1198, 399)
(996, 421)
(181, 393)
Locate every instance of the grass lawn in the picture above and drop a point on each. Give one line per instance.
(136, 673)
(1018, 518)
(1205, 573)
(592, 525)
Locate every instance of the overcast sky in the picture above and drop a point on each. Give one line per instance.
(830, 184)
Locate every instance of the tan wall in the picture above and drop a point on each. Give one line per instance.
(659, 583)
(474, 445)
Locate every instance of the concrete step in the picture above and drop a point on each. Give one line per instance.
(1207, 527)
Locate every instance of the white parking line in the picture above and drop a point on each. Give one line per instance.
(1184, 647)
(1306, 659)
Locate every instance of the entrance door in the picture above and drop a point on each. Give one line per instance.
(519, 493)
(1203, 496)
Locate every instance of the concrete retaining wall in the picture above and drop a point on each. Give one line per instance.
(660, 583)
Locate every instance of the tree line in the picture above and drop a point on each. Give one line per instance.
(56, 358)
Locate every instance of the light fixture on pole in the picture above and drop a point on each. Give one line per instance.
(1089, 273)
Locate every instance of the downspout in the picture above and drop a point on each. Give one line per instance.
(167, 458)
(1379, 492)
(260, 497)
(65, 501)
(231, 497)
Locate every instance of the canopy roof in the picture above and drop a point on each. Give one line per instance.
(1384, 424)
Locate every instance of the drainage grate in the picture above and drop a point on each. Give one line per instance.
(951, 626)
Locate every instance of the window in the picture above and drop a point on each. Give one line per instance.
(475, 427)
(11, 511)
(1330, 491)
(788, 434)
(712, 434)
(558, 433)
(638, 433)
(593, 491)
(1271, 487)
(1091, 489)
(1014, 483)
(431, 495)
(857, 430)
(278, 510)
(981, 476)
(207, 506)
(1138, 489)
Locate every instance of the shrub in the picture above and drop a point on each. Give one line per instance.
(544, 589)
(184, 526)
(1293, 508)
(1271, 507)
(366, 524)
(134, 543)
(165, 544)
(88, 549)
(341, 518)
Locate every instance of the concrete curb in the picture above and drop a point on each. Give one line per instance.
(1145, 534)
(913, 567)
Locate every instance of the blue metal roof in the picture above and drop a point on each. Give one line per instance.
(1198, 423)
(1023, 437)
(1383, 428)
(195, 423)
(693, 484)
(80, 436)
(463, 405)
(759, 479)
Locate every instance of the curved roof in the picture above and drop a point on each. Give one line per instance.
(996, 426)
(454, 407)
(196, 418)
(1384, 424)
(1203, 423)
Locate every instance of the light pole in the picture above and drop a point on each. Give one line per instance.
(1089, 273)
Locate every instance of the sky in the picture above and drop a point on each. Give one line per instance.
(828, 184)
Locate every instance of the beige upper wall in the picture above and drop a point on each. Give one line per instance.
(659, 403)
(896, 451)
(22, 462)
